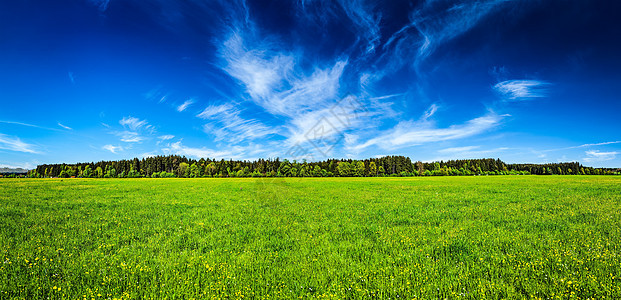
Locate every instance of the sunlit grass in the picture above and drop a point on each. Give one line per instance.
(443, 237)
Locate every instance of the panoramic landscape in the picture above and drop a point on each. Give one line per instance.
(424, 149)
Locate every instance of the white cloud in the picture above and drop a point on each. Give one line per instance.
(130, 136)
(512, 90)
(328, 125)
(315, 125)
(185, 105)
(260, 69)
(147, 155)
(367, 23)
(180, 149)
(581, 146)
(64, 126)
(430, 112)
(15, 144)
(29, 125)
(410, 133)
(156, 94)
(433, 25)
(134, 123)
(451, 23)
(364, 20)
(467, 152)
(20, 123)
(71, 78)
(357, 16)
(298, 91)
(166, 137)
(596, 156)
(459, 149)
(213, 111)
(134, 130)
(248, 152)
(324, 132)
(112, 148)
(226, 123)
(386, 96)
(599, 144)
(309, 92)
(274, 80)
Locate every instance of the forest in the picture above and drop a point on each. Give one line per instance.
(183, 167)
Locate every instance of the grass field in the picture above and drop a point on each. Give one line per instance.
(441, 237)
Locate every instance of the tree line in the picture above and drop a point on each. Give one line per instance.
(183, 167)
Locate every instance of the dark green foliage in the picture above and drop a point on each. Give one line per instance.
(180, 166)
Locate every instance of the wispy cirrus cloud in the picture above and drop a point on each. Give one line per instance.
(130, 136)
(458, 149)
(453, 21)
(296, 91)
(319, 124)
(249, 152)
(516, 90)
(411, 133)
(156, 95)
(15, 144)
(64, 126)
(467, 152)
(278, 83)
(433, 24)
(274, 79)
(134, 130)
(212, 111)
(598, 144)
(366, 20)
(598, 156)
(307, 93)
(113, 149)
(331, 123)
(147, 155)
(134, 123)
(28, 125)
(166, 137)
(180, 149)
(226, 123)
(360, 16)
(582, 146)
(185, 105)
(430, 112)
(260, 68)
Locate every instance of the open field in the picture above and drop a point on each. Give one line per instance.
(434, 237)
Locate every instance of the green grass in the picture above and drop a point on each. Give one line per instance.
(441, 237)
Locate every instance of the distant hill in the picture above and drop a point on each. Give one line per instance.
(13, 171)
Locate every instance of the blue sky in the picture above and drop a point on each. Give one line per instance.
(523, 81)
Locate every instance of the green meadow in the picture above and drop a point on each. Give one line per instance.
(486, 237)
